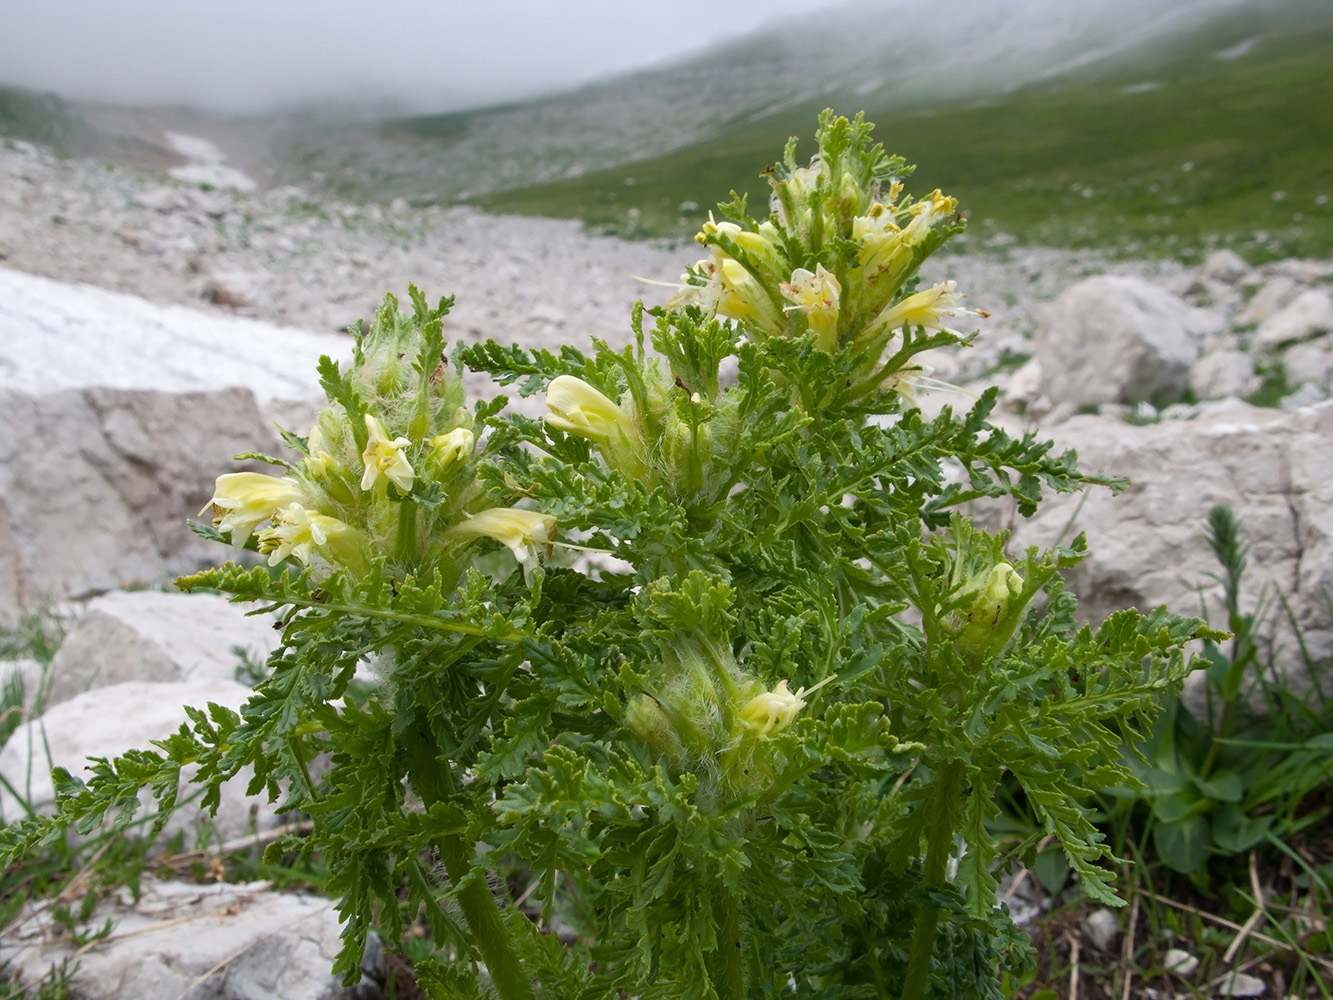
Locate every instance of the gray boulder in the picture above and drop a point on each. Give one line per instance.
(116, 417)
(1115, 339)
(1224, 373)
(222, 941)
(1275, 294)
(1148, 545)
(1308, 316)
(153, 636)
(96, 486)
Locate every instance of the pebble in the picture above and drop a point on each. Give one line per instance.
(1101, 927)
(1241, 984)
(1180, 963)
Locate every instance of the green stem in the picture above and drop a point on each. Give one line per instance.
(432, 781)
(939, 845)
(725, 967)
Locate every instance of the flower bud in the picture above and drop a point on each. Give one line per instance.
(453, 448)
(646, 720)
(981, 625)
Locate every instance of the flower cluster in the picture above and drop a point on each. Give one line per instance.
(836, 259)
(388, 470)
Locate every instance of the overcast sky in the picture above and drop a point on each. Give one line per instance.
(253, 55)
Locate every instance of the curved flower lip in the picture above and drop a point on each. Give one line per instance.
(925, 308)
(576, 407)
(816, 294)
(384, 458)
(241, 500)
(523, 532)
(297, 532)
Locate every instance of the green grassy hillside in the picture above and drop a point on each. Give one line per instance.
(1172, 150)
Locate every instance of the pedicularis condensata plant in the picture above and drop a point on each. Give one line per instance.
(740, 718)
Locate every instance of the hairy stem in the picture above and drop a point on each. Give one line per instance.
(432, 781)
(939, 845)
(725, 967)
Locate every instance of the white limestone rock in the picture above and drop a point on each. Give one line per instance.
(1241, 984)
(239, 290)
(154, 636)
(1101, 927)
(1308, 316)
(1224, 373)
(1225, 267)
(1148, 546)
(1276, 294)
(116, 417)
(223, 941)
(108, 721)
(1309, 362)
(1024, 384)
(96, 486)
(1180, 963)
(1115, 339)
(57, 336)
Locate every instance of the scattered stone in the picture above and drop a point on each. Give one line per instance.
(234, 289)
(1307, 395)
(107, 722)
(152, 636)
(1115, 340)
(1241, 984)
(1225, 267)
(1308, 316)
(1024, 384)
(227, 942)
(1102, 928)
(1222, 374)
(1306, 271)
(1276, 294)
(1147, 545)
(1180, 963)
(162, 199)
(1310, 361)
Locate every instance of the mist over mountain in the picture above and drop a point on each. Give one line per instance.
(872, 54)
(1069, 123)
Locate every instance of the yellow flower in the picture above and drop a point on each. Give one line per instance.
(523, 532)
(297, 532)
(771, 712)
(816, 294)
(925, 308)
(575, 407)
(886, 248)
(455, 446)
(736, 293)
(318, 460)
(241, 500)
(878, 233)
(384, 458)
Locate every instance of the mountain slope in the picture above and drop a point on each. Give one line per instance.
(900, 53)
(1216, 135)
